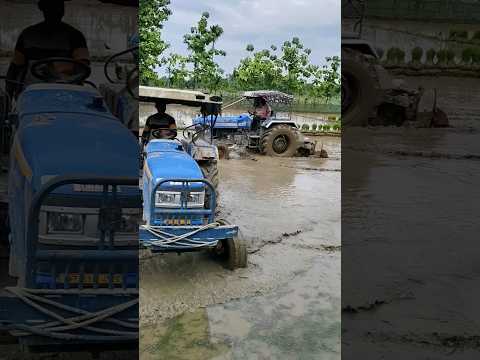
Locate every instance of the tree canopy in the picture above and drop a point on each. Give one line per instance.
(287, 67)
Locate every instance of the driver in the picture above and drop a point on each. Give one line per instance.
(261, 112)
(160, 125)
(50, 38)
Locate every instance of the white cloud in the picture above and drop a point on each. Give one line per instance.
(262, 23)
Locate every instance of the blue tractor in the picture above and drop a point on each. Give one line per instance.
(277, 135)
(180, 179)
(74, 206)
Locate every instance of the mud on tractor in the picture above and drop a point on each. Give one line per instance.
(180, 179)
(73, 212)
(277, 135)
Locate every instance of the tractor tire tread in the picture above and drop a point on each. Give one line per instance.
(266, 141)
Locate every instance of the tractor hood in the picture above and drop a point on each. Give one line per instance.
(53, 144)
(41, 99)
(167, 160)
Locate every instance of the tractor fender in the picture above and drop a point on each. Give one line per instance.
(269, 123)
(202, 150)
(360, 45)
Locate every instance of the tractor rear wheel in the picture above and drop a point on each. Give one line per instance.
(232, 253)
(359, 89)
(210, 173)
(281, 141)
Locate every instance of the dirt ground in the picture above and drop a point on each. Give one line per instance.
(286, 304)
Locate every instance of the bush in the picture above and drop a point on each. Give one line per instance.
(314, 127)
(450, 55)
(476, 56)
(431, 53)
(395, 55)
(476, 35)
(417, 54)
(467, 56)
(442, 56)
(305, 127)
(392, 55)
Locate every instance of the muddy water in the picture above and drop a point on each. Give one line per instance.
(405, 195)
(288, 211)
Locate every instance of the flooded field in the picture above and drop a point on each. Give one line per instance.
(286, 304)
(405, 205)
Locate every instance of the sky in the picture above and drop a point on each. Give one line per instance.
(261, 23)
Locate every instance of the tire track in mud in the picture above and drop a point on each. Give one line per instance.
(441, 341)
(313, 169)
(417, 154)
(280, 239)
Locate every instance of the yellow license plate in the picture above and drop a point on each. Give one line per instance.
(177, 222)
(88, 279)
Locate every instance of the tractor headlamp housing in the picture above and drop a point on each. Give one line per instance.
(173, 199)
(168, 199)
(59, 222)
(195, 199)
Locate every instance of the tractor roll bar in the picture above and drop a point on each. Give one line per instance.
(33, 223)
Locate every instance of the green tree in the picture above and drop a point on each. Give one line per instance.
(152, 15)
(177, 72)
(259, 71)
(201, 45)
(325, 79)
(294, 62)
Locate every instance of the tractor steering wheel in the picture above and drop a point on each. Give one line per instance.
(158, 133)
(45, 70)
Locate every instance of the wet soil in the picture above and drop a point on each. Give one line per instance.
(288, 211)
(425, 303)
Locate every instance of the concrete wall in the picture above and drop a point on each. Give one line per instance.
(184, 115)
(387, 33)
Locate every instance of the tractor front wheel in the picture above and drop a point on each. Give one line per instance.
(232, 253)
(281, 141)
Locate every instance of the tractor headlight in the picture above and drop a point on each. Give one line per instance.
(167, 199)
(196, 199)
(172, 199)
(64, 223)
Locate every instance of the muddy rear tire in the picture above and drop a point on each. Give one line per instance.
(359, 89)
(223, 152)
(210, 172)
(232, 253)
(281, 141)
